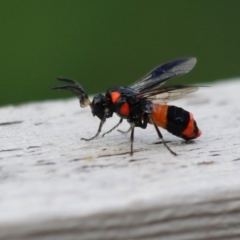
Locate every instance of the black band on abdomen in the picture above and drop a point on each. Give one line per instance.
(177, 120)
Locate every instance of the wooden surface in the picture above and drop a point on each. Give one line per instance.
(55, 186)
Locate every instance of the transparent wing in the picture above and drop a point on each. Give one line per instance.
(162, 73)
(167, 94)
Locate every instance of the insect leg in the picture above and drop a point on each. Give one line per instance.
(99, 130)
(132, 139)
(113, 127)
(121, 131)
(142, 123)
(160, 136)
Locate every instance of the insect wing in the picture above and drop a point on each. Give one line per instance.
(167, 94)
(162, 73)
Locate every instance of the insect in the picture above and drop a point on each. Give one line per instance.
(144, 102)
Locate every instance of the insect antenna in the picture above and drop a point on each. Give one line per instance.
(76, 89)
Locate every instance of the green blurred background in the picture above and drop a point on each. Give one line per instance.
(106, 43)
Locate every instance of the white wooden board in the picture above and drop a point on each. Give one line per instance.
(55, 186)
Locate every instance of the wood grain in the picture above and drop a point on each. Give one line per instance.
(55, 186)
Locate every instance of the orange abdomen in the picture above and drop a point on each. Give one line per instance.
(159, 113)
(176, 120)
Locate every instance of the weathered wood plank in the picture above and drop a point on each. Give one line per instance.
(55, 186)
